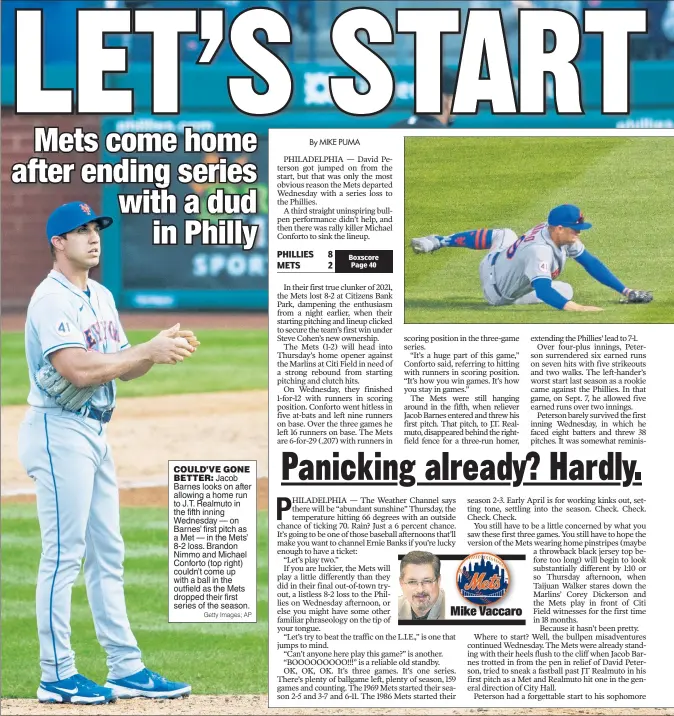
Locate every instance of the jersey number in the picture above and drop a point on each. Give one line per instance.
(513, 247)
(63, 328)
(529, 236)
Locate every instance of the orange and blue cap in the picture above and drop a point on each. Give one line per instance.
(69, 217)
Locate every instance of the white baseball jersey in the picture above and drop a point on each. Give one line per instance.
(512, 269)
(60, 315)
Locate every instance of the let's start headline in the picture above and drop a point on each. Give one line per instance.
(509, 471)
(355, 35)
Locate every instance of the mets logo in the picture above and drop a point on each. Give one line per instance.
(482, 578)
(86, 208)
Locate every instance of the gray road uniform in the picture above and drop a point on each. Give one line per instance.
(68, 456)
(513, 263)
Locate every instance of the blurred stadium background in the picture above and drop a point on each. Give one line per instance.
(227, 278)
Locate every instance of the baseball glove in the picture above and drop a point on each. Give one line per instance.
(634, 296)
(66, 394)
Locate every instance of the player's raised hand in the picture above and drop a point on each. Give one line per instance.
(173, 331)
(177, 332)
(189, 337)
(168, 348)
(573, 306)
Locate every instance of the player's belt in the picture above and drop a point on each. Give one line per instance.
(104, 416)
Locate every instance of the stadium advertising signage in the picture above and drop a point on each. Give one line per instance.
(190, 273)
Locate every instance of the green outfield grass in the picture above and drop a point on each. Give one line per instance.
(624, 186)
(226, 360)
(214, 658)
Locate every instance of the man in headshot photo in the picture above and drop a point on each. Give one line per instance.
(422, 595)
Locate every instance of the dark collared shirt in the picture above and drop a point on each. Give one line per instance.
(417, 618)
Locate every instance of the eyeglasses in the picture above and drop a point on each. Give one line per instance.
(424, 582)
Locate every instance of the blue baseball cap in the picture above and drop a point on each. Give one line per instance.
(68, 217)
(568, 215)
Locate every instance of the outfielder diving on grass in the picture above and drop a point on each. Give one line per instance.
(521, 270)
(75, 349)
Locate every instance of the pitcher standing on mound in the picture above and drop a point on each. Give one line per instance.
(76, 349)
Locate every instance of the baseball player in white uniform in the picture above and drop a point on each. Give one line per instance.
(522, 270)
(75, 349)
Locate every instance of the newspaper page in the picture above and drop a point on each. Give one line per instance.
(335, 356)
(465, 485)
